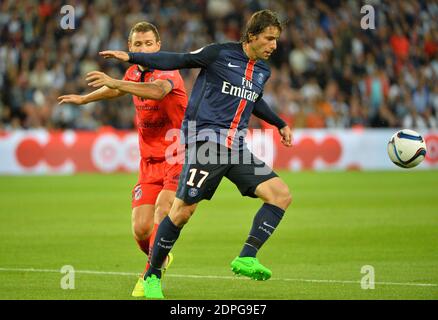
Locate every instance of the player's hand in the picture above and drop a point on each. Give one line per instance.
(119, 55)
(99, 79)
(286, 136)
(71, 98)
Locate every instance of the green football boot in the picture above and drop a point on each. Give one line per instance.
(250, 267)
(139, 289)
(152, 288)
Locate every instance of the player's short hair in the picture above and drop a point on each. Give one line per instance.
(259, 21)
(144, 27)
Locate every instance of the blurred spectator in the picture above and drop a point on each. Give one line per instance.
(400, 46)
(326, 72)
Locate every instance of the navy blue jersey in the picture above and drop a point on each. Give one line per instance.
(227, 89)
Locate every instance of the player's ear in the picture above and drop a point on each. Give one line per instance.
(129, 45)
(251, 37)
(159, 45)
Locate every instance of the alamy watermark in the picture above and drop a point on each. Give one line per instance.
(68, 20)
(207, 146)
(368, 21)
(368, 280)
(68, 281)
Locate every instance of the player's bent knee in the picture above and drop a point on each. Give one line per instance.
(280, 196)
(142, 221)
(281, 199)
(141, 230)
(275, 192)
(286, 199)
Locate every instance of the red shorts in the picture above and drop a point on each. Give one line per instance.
(154, 176)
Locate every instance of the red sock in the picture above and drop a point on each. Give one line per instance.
(143, 245)
(151, 245)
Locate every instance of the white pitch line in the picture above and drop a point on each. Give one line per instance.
(116, 273)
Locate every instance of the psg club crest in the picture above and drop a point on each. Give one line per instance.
(260, 78)
(193, 192)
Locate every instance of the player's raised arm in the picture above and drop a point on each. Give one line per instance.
(263, 111)
(168, 60)
(155, 90)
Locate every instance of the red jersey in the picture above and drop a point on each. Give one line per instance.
(155, 117)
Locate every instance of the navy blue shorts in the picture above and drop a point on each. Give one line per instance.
(207, 162)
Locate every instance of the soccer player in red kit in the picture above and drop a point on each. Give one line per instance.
(160, 101)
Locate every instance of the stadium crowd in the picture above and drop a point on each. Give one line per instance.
(327, 70)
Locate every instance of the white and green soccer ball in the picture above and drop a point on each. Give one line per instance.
(407, 148)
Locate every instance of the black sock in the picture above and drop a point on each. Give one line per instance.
(165, 238)
(264, 224)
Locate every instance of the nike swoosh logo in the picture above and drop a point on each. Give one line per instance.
(232, 65)
(168, 241)
(264, 223)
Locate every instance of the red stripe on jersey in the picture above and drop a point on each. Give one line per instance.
(242, 104)
(249, 70)
(235, 123)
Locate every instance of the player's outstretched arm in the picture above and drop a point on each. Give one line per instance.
(263, 111)
(99, 94)
(155, 90)
(168, 60)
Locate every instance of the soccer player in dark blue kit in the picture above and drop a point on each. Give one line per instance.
(228, 89)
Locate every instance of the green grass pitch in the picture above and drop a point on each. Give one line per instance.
(338, 223)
